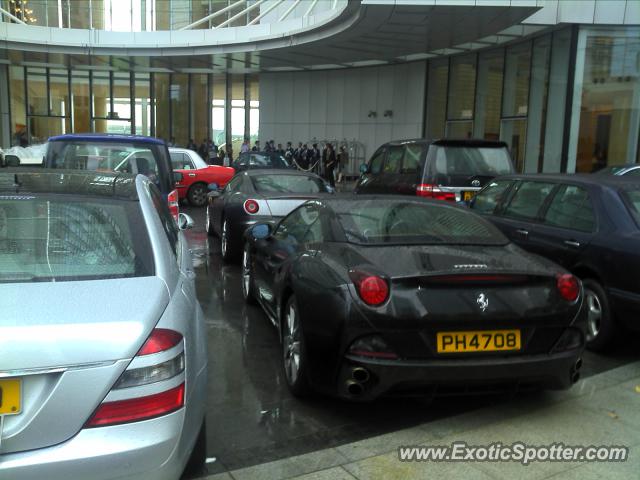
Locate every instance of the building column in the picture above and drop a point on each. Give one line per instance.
(5, 123)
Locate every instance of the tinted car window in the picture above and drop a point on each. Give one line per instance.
(287, 184)
(528, 199)
(294, 227)
(394, 157)
(633, 173)
(63, 238)
(571, 208)
(375, 222)
(633, 200)
(375, 165)
(233, 185)
(180, 161)
(411, 159)
(257, 160)
(487, 200)
(450, 160)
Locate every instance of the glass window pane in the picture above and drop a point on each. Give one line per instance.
(59, 91)
(412, 158)
(237, 112)
(199, 110)
(489, 95)
(80, 95)
(218, 117)
(459, 129)
(528, 199)
(37, 91)
(121, 95)
(44, 127)
(254, 105)
(610, 110)
(392, 165)
(487, 200)
(516, 81)
(436, 98)
(161, 104)
(143, 104)
(18, 107)
(462, 80)
(179, 94)
(514, 131)
(80, 15)
(572, 209)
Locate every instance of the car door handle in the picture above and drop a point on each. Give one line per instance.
(192, 174)
(572, 243)
(522, 232)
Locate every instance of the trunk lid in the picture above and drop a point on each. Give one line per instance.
(282, 205)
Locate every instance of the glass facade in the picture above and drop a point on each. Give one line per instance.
(180, 106)
(518, 94)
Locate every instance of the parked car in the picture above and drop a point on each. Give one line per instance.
(587, 223)
(632, 169)
(105, 375)
(109, 153)
(254, 196)
(393, 295)
(261, 160)
(450, 170)
(196, 175)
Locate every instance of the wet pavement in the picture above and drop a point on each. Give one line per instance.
(252, 418)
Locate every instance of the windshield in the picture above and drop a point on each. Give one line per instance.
(63, 238)
(472, 161)
(287, 184)
(123, 157)
(259, 160)
(410, 222)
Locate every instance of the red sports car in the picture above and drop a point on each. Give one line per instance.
(196, 175)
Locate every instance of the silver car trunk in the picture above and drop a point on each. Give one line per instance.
(68, 342)
(281, 206)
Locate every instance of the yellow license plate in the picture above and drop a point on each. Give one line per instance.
(480, 341)
(466, 196)
(10, 393)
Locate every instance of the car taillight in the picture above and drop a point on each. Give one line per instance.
(568, 286)
(429, 190)
(373, 289)
(372, 346)
(174, 204)
(159, 340)
(251, 207)
(161, 359)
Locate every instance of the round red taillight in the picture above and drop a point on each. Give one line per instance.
(251, 207)
(568, 286)
(373, 290)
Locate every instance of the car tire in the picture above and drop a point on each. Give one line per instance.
(208, 224)
(248, 288)
(294, 354)
(198, 457)
(601, 328)
(227, 249)
(197, 194)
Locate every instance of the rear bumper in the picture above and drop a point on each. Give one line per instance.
(461, 376)
(145, 450)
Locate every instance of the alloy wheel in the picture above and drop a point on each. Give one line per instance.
(594, 314)
(197, 195)
(291, 345)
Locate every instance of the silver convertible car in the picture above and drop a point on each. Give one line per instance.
(103, 360)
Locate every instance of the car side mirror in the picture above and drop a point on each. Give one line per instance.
(177, 177)
(185, 222)
(213, 187)
(260, 231)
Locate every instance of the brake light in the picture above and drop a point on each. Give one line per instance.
(568, 286)
(429, 190)
(159, 340)
(373, 289)
(137, 409)
(174, 204)
(251, 207)
(145, 371)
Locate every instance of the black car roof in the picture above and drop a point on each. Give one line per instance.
(453, 142)
(19, 181)
(106, 137)
(614, 181)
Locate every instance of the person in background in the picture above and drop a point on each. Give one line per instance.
(224, 160)
(172, 142)
(343, 161)
(289, 153)
(315, 159)
(280, 150)
(202, 149)
(329, 164)
(245, 146)
(303, 156)
(256, 146)
(192, 145)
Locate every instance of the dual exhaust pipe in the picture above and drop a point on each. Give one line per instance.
(355, 384)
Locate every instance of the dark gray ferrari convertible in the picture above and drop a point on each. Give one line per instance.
(394, 295)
